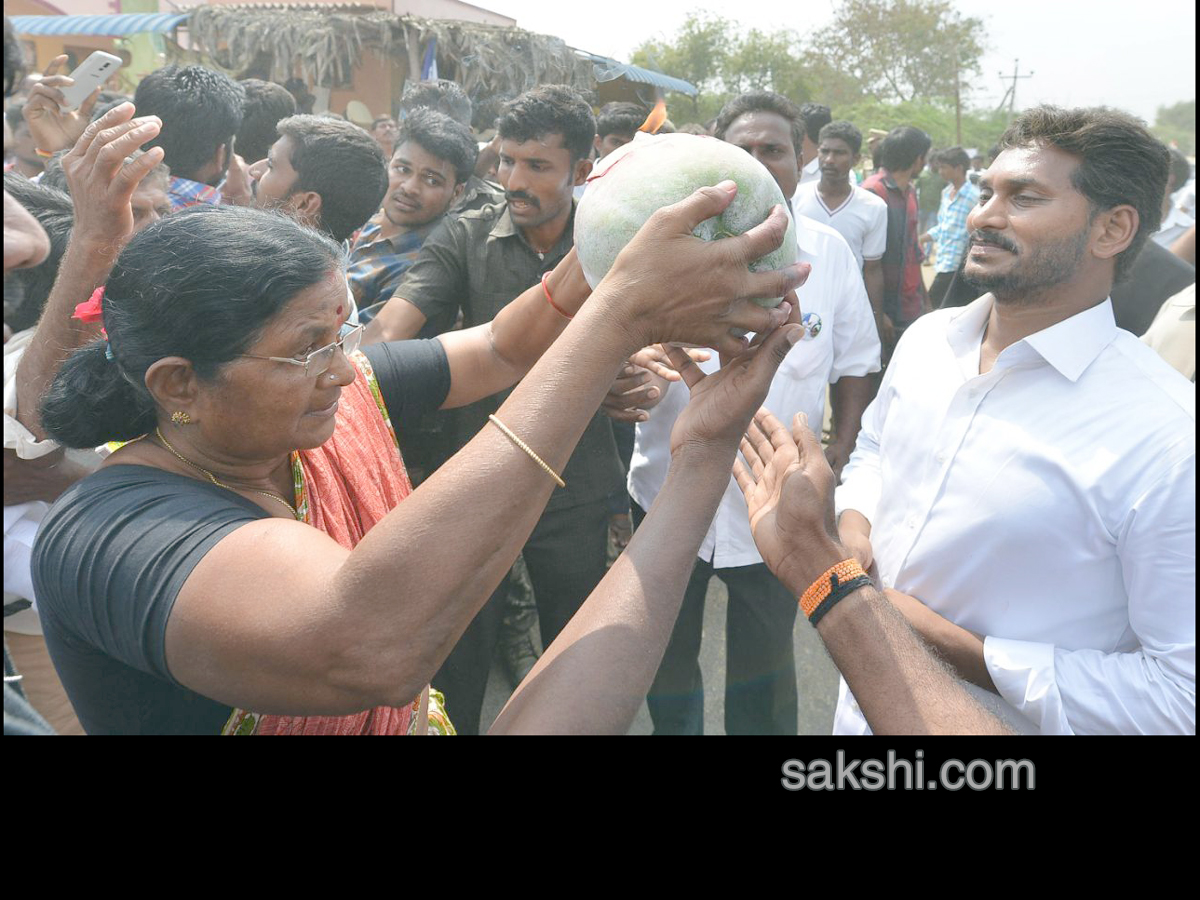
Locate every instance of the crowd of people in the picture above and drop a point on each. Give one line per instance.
(303, 420)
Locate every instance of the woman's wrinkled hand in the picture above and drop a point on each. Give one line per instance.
(668, 285)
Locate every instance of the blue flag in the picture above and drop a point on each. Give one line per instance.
(429, 66)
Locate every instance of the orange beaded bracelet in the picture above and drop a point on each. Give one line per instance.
(836, 583)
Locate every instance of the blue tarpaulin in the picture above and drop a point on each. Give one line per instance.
(116, 25)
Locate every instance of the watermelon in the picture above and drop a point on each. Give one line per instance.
(654, 171)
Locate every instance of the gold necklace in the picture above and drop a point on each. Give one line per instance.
(213, 478)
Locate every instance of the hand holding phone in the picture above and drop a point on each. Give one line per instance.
(91, 74)
(53, 126)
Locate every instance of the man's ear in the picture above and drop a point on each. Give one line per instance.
(459, 190)
(1114, 230)
(583, 169)
(596, 143)
(306, 205)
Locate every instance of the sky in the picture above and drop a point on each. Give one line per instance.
(1135, 55)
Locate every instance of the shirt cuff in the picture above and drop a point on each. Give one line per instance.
(858, 496)
(1023, 672)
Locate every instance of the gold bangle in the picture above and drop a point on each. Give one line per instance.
(520, 443)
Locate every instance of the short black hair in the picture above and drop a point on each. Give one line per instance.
(14, 115)
(816, 116)
(842, 131)
(1120, 162)
(442, 136)
(444, 95)
(201, 111)
(550, 109)
(619, 117)
(53, 175)
(955, 158)
(1181, 169)
(106, 100)
(343, 164)
(54, 212)
(14, 59)
(265, 105)
(902, 147)
(761, 101)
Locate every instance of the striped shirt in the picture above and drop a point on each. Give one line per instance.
(951, 232)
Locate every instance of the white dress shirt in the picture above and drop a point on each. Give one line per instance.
(847, 344)
(21, 520)
(1048, 505)
(861, 218)
(810, 171)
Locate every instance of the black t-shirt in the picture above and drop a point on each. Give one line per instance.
(113, 552)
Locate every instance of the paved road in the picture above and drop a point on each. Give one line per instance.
(815, 672)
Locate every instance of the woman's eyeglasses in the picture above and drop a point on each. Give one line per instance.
(318, 362)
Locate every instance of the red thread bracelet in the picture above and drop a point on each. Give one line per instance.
(546, 290)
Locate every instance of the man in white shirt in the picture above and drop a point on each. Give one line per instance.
(841, 346)
(815, 116)
(1025, 479)
(856, 214)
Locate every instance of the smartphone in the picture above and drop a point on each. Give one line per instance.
(90, 74)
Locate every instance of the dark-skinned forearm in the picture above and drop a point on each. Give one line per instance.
(549, 410)
(899, 685)
(849, 396)
(593, 678)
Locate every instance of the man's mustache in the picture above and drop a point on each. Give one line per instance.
(524, 197)
(991, 238)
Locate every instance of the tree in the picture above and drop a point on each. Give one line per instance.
(770, 62)
(902, 49)
(697, 54)
(721, 61)
(1177, 123)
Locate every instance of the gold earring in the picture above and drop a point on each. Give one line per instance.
(179, 417)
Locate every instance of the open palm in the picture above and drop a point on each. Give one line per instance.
(788, 487)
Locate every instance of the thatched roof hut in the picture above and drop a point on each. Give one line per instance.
(325, 43)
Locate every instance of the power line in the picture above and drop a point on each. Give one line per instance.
(1010, 95)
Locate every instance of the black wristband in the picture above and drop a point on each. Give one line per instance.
(843, 590)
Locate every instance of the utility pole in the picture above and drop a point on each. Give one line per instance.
(1011, 94)
(957, 102)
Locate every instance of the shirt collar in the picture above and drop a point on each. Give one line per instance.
(802, 241)
(194, 190)
(1070, 346)
(370, 234)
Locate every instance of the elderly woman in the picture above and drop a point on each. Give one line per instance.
(245, 563)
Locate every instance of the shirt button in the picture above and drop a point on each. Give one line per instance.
(941, 457)
(912, 522)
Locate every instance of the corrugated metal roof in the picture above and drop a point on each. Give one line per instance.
(609, 69)
(124, 23)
